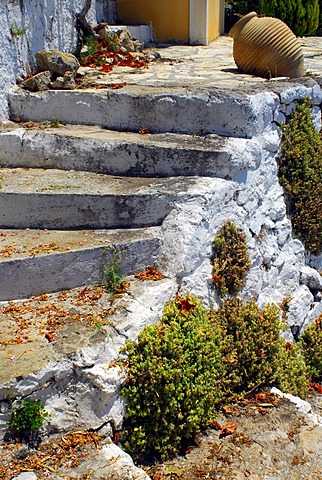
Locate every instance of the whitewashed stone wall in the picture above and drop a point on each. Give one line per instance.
(47, 24)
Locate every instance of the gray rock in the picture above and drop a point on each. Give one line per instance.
(311, 278)
(37, 83)
(126, 41)
(57, 62)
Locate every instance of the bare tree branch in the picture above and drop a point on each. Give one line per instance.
(84, 29)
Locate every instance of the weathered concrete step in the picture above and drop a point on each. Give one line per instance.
(159, 109)
(89, 148)
(38, 198)
(33, 262)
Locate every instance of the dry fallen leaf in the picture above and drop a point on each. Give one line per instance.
(228, 429)
(149, 274)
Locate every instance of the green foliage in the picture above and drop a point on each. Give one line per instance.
(302, 16)
(251, 342)
(231, 260)
(112, 41)
(17, 31)
(54, 122)
(173, 383)
(293, 373)
(300, 173)
(113, 281)
(27, 419)
(311, 342)
(254, 354)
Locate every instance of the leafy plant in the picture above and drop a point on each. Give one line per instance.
(293, 373)
(112, 41)
(231, 261)
(300, 174)
(311, 342)
(27, 419)
(113, 281)
(54, 122)
(173, 384)
(17, 31)
(254, 354)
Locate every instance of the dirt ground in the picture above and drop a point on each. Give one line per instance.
(269, 440)
(262, 438)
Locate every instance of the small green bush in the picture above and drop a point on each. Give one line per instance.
(300, 174)
(230, 259)
(27, 419)
(254, 354)
(173, 384)
(311, 342)
(293, 374)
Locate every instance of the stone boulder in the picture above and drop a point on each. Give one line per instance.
(57, 62)
(37, 83)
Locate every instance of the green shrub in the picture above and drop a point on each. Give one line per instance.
(311, 342)
(27, 419)
(293, 375)
(173, 384)
(300, 174)
(230, 259)
(254, 354)
(302, 16)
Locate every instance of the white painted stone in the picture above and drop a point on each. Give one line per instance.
(316, 114)
(270, 140)
(291, 94)
(279, 118)
(290, 108)
(302, 300)
(302, 405)
(117, 465)
(317, 95)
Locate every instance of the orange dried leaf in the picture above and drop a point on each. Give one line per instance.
(228, 429)
(185, 305)
(149, 274)
(227, 410)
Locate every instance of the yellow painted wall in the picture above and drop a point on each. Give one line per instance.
(170, 18)
(214, 19)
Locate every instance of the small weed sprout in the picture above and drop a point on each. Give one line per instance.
(26, 420)
(113, 281)
(17, 31)
(54, 122)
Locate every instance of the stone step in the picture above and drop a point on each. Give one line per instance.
(90, 148)
(33, 262)
(40, 198)
(192, 110)
(93, 149)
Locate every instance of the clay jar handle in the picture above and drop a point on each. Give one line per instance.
(237, 28)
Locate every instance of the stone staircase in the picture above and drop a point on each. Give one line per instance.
(109, 176)
(73, 195)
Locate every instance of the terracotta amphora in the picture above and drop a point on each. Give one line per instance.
(266, 47)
